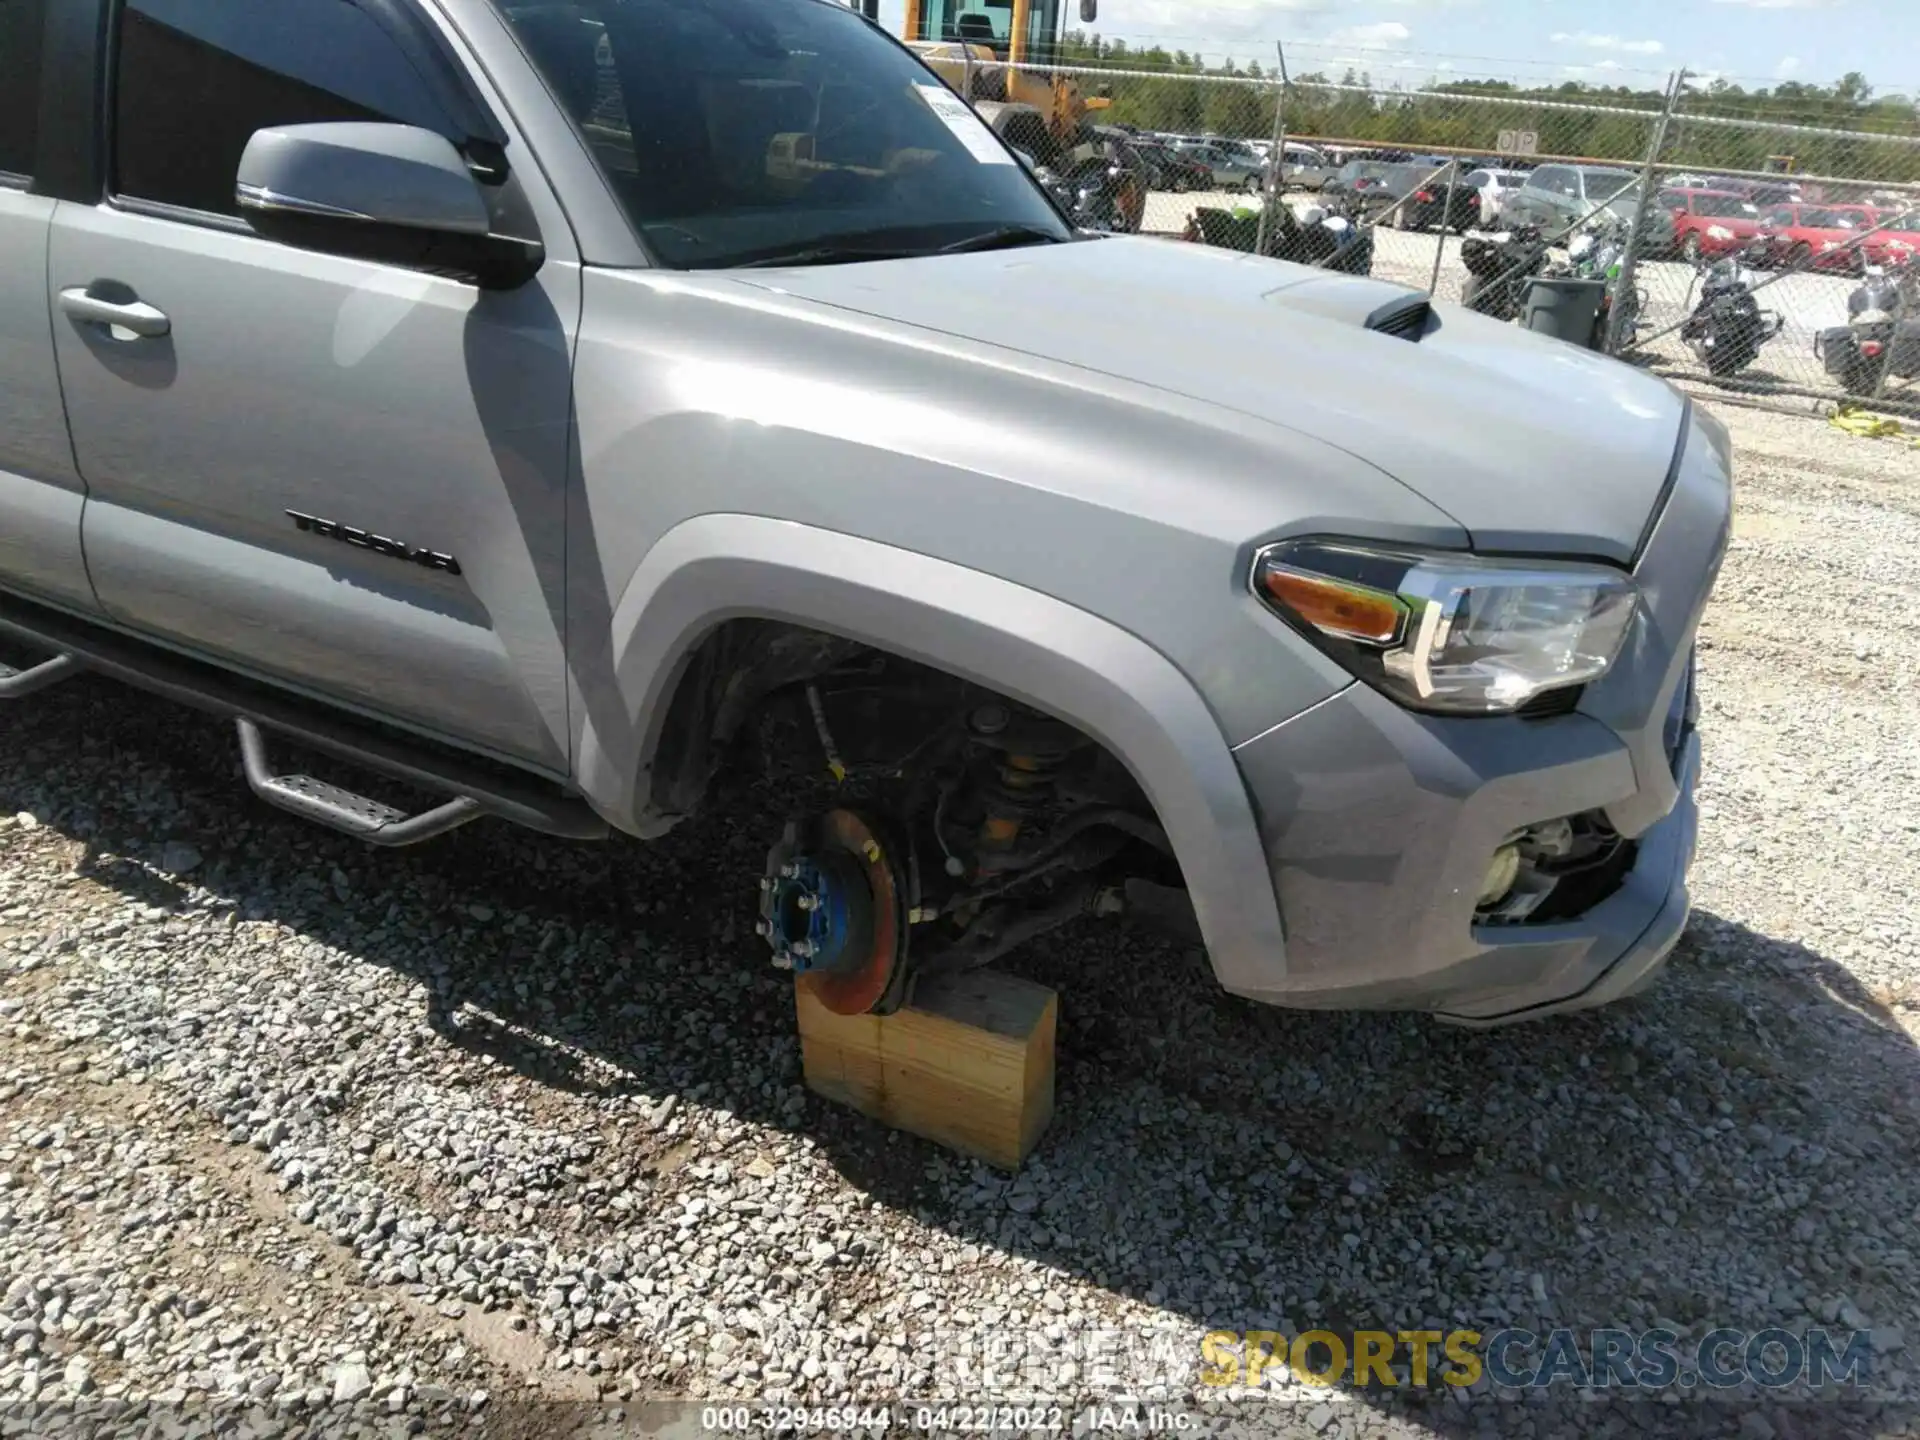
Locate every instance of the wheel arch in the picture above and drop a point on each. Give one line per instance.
(1032, 647)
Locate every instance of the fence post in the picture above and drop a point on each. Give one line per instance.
(1277, 166)
(1623, 285)
(1446, 218)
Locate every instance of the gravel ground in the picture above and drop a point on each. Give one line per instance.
(503, 1133)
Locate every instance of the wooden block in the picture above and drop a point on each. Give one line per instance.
(968, 1065)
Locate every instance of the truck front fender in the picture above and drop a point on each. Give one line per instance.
(1031, 647)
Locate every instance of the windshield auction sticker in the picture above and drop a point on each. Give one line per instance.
(968, 128)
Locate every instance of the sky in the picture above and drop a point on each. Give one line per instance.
(1635, 42)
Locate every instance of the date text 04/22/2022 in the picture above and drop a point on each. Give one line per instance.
(739, 1418)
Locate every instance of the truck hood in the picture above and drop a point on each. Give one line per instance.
(1530, 444)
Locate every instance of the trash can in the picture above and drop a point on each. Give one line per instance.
(1565, 309)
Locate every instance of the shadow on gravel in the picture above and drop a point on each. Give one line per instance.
(1737, 1148)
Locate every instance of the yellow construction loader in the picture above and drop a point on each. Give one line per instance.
(1001, 54)
(1004, 57)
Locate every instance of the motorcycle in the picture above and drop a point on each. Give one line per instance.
(1501, 267)
(1088, 195)
(1882, 335)
(1326, 235)
(1727, 328)
(1596, 254)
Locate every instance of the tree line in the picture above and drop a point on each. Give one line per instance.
(1184, 96)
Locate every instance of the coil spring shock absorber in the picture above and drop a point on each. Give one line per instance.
(1014, 773)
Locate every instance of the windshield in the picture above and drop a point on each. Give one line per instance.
(733, 131)
(1612, 186)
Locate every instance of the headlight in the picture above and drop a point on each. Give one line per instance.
(1450, 632)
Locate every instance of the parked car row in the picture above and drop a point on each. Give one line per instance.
(1697, 217)
(1562, 198)
(1409, 195)
(1837, 239)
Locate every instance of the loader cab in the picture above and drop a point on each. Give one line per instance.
(1020, 31)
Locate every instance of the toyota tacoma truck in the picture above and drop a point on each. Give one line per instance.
(552, 406)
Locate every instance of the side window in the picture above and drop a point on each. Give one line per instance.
(1782, 216)
(196, 78)
(20, 25)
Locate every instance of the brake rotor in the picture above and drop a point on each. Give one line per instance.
(833, 910)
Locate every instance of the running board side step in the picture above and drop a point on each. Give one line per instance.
(340, 809)
(18, 684)
(485, 788)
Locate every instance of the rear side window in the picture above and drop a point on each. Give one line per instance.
(20, 22)
(196, 78)
(1730, 206)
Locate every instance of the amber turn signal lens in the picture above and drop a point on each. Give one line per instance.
(1351, 612)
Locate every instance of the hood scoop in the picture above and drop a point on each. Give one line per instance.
(1377, 305)
(1410, 317)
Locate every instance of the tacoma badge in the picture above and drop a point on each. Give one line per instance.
(366, 540)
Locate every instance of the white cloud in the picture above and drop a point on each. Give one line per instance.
(1608, 42)
(1384, 34)
(1788, 66)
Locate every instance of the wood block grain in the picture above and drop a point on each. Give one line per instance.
(968, 1065)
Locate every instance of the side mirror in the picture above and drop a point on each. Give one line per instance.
(396, 194)
(1026, 159)
(1089, 11)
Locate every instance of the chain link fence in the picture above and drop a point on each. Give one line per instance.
(1647, 199)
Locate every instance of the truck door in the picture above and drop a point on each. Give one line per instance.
(273, 432)
(40, 492)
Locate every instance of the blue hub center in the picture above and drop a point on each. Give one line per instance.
(808, 917)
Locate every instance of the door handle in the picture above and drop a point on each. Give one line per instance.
(135, 315)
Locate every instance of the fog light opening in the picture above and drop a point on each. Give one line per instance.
(1552, 869)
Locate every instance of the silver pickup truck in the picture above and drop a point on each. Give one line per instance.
(546, 404)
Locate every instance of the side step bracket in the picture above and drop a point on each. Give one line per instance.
(18, 684)
(343, 810)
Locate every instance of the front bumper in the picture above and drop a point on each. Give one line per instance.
(1379, 823)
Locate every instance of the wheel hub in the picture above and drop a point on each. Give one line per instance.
(812, 913)
(832, 910)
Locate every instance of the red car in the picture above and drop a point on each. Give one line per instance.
(1710, 223)
(1899, 243)
(1815, 237)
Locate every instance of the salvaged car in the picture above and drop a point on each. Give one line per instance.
(556, 407)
